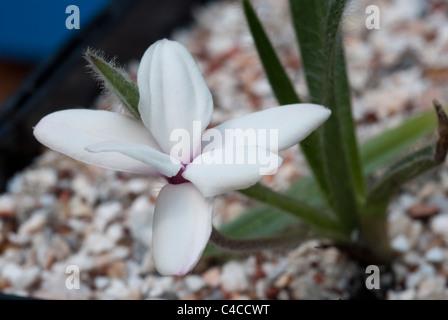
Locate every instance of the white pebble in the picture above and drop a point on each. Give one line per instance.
(34, 224)
(98, 243)
(53, 287)
(139, 220)
(115, 232)
(137, 185)
(7, 205)
(233, 277)
(84, 189)
(101, 282)
(400, 243)
(79, 208)
(434, 255)
(41, 179)
(156, 286)
(439, 225)
(82, 261)
(194, 283)
(106, 212)
(120, 252)
(431, 288)
(20, 278)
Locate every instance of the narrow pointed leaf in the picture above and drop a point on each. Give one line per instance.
(115, 82)
(316, 218)
(374, 215)
(281, 84)
(384, 148)
(317, 28)
(283, 89)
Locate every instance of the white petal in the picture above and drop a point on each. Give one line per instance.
(165, 164)
(173, 94)
(219, 171)
(290, 123)
(70, 131)
(181, 228)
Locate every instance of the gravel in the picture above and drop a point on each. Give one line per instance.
(59, 212)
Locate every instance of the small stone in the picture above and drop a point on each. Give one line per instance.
(305, 287)
(284, 280)
(117, 270)
(47, 200)
(34, 224)
(400, 243)
(19, 277)
(107, 212)
(422, 211)
(330, 257)
(120, 253)
(147, 265)
(428, 190)
(439, 224)
(137, 185)
(12, 255)
(424, 271)
(4, 283)
(435, 255)
(233, 277)
(53, 286)
(115, 290)
(158, 287)
(139, 220)
(115, 232)
(101, 282)
(42, 179)
(98, 243)
(81, 260)
(194, 283)
(7, 206)
(431, 288)
(79, 208)
(84, 189)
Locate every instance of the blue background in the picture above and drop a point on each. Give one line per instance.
(32, 30)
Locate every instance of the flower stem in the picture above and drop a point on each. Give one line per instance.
(297, 208)
(250, 245)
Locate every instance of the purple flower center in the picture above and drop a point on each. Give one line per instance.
(178, 178)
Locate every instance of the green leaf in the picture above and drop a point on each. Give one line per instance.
(261, 221)
(336, 154)
(374, 215)
(374, 218)
(315, 218)
(387, 146)
(280, 83)
(264, 220)
(115, 82)
(283, 88)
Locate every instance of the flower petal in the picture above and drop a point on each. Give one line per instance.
(291, 124)
(173, 94)
(222, 170)
(70, 131)
(165, 164)
(181, 228)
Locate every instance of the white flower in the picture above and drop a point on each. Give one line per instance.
(174, 95)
